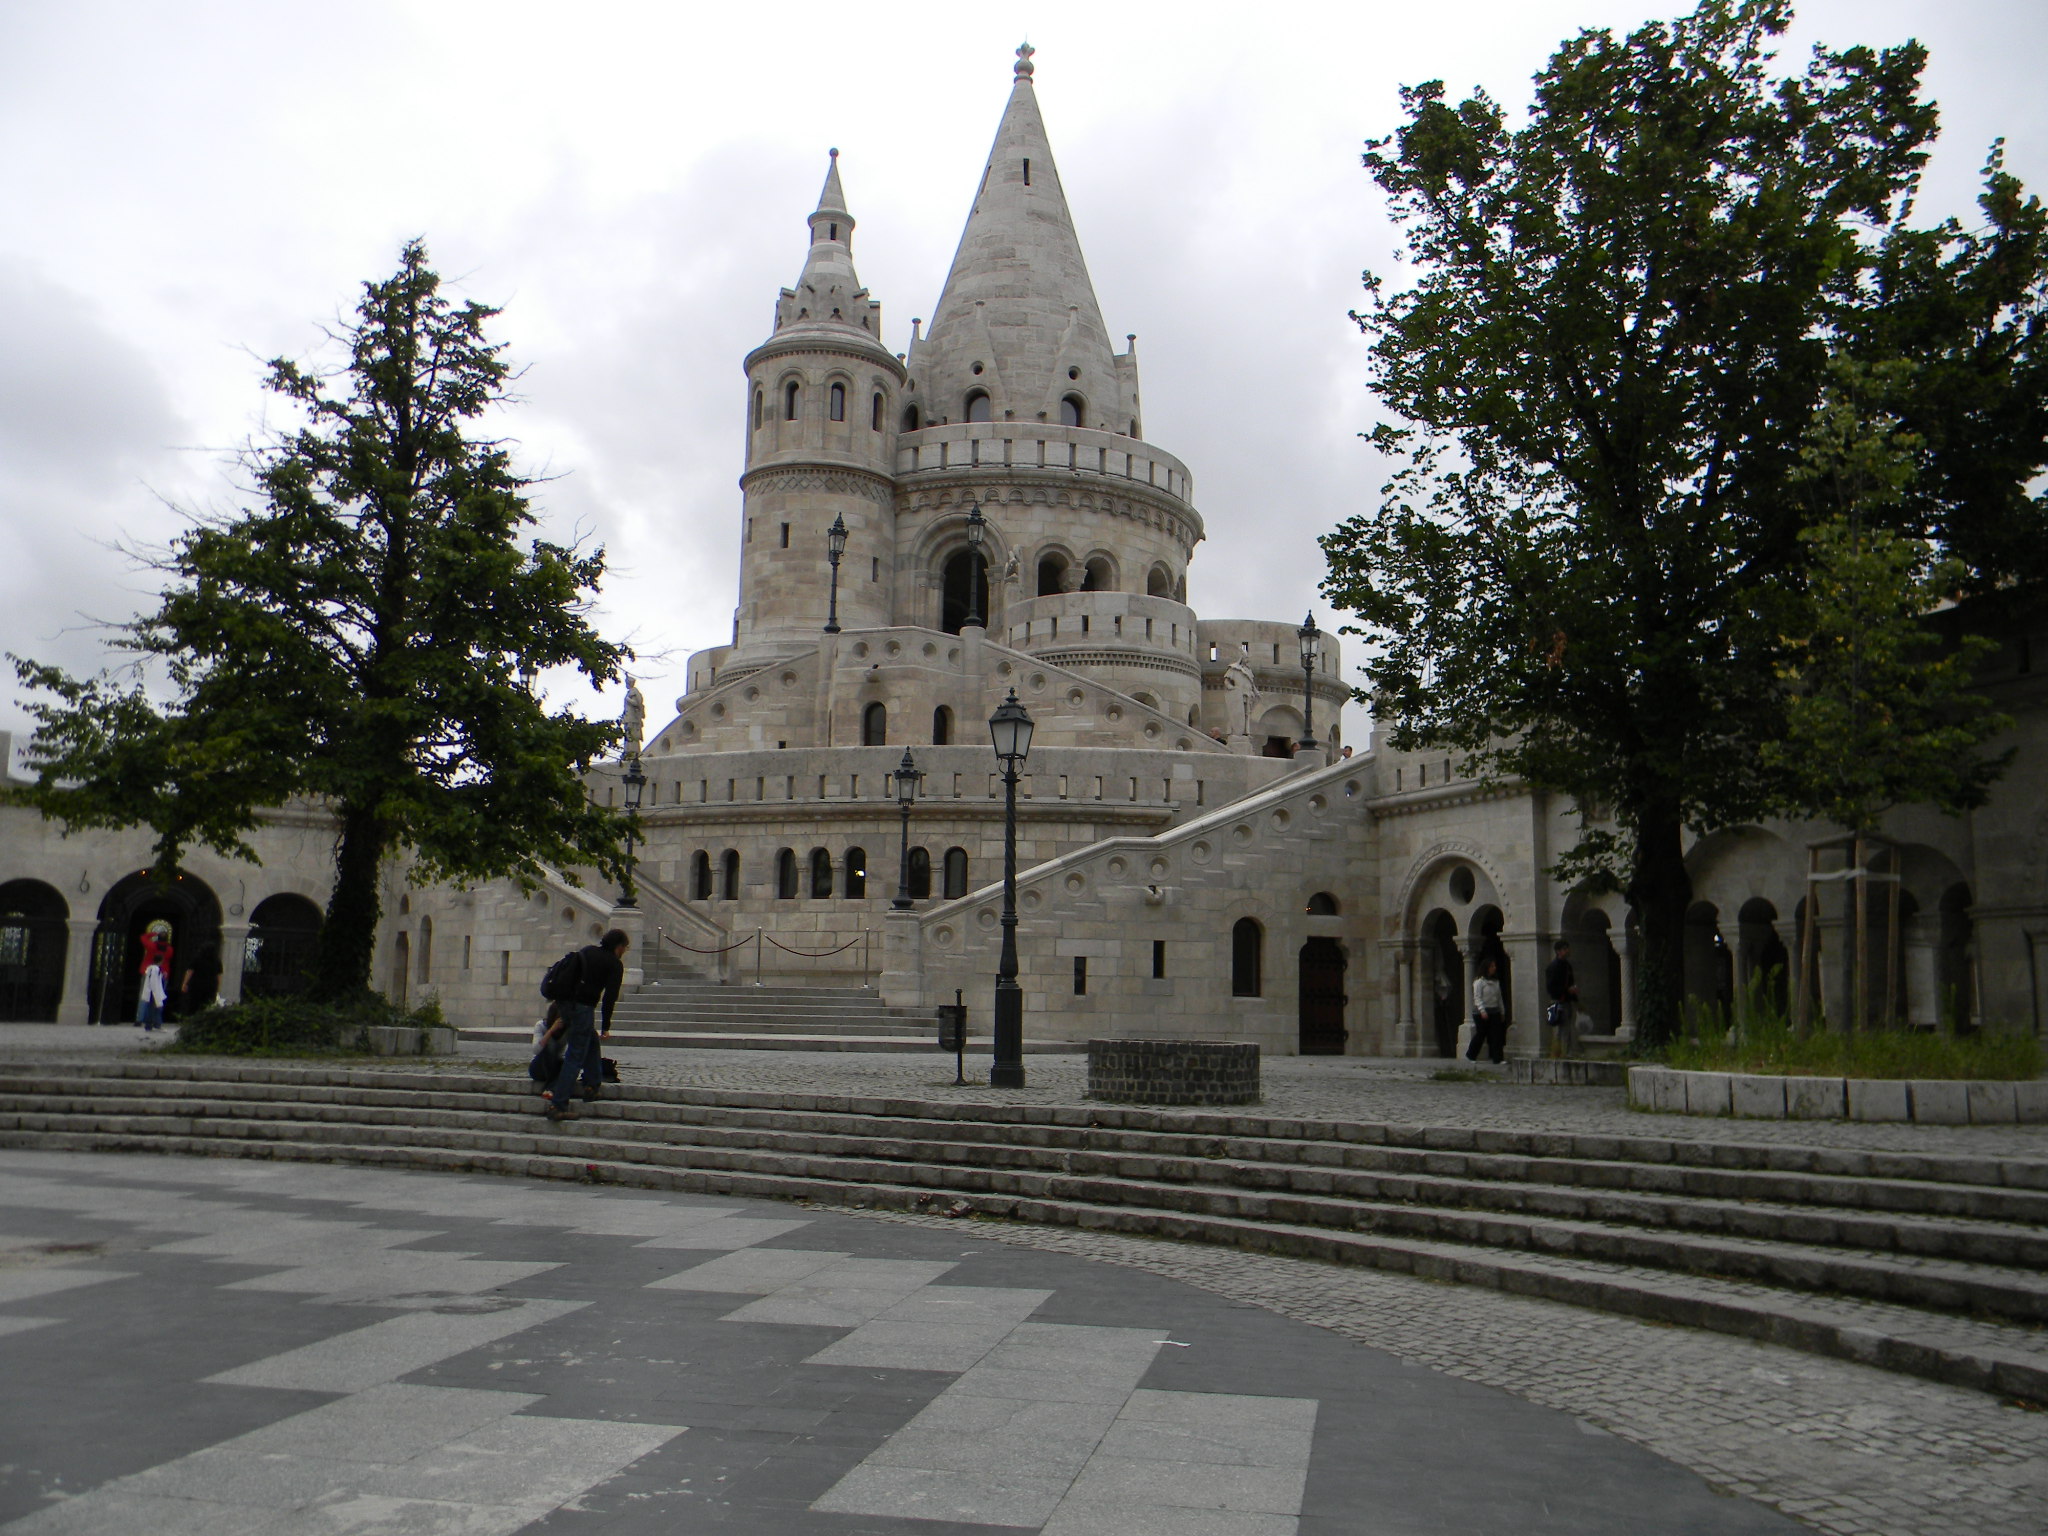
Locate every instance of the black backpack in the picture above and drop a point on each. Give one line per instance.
(559, 985)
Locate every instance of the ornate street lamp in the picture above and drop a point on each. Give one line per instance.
(1311, 649)
(835, 550)
(977, 528)
(1010, 729)
(636, 786)
(906, 777)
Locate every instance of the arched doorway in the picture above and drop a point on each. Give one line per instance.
(283, 948)
(1764, 968)
(963, 591)
(1444, 964)
(1322, 999)
(35, 929)
(131, 905)
(401, 968)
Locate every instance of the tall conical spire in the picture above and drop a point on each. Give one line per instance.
(829, 292)
(1018, 319)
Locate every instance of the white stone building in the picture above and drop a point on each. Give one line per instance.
(1184, 870)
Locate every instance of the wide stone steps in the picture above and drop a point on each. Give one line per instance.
(745, 1017)
(1518, 1212)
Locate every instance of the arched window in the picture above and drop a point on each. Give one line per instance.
(911, 420)
(1159, 582)
(1247, 957)
(821, 874)
(875, 415)
(837, 397)
(920, 874)
(963, 591)
(789, 395)
(874, 726)
(426, 950)
(956, 873)
(856, 873)
(1322, 904)
(785, 875)
(731, 871)
(1052, 573)
(1098, 575)
(942, 726)
(760, 406)
(700, 876)
(978, 408)
(1073, 411)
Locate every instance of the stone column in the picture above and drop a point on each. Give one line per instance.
(902, 960)
(1918, 983)
(234, 942)
(1403, 1043)
(1525, 1006)
(1626, 951)
(633, 921)
(72, 1007)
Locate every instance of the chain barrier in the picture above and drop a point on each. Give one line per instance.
(693, 949)
(816, 954)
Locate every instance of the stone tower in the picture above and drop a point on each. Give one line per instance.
(822, 404)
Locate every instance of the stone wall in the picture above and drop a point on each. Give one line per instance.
(1173, 1071)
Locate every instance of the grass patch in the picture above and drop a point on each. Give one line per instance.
(1462, 1075)
(291, 1026)
(1765, 1041)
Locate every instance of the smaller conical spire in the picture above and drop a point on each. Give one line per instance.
(833, 198)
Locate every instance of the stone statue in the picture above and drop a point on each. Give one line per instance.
(1010, 570)
(634, 718)
(1244, 682)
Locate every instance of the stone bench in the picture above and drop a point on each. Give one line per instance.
(1173, 1071)
(1759, 1096)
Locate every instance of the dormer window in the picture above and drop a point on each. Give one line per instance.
(978, 406)
(1073, 411)
(910, 418)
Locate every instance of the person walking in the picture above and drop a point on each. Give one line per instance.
(152, 997)
(600, 972)
(1562, 983)
(1489, 1017)
(200, 984)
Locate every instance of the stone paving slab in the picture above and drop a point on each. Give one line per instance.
(586, 1393)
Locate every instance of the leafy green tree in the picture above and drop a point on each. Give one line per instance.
(1620, 325)
(368, 639)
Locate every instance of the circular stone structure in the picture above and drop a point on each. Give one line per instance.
(1202, 1072)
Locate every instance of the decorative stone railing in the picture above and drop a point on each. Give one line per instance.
(1037, 445)
(1760, 1096)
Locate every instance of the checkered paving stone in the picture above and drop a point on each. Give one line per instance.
(247, 1349)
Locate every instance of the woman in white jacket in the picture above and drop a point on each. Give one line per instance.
(1489, 1017)
(153, 994)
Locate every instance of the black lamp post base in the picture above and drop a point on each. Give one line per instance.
(1007, 1070)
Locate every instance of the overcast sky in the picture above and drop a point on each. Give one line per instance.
(186, 190)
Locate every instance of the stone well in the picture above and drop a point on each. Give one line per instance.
(1174, 1071)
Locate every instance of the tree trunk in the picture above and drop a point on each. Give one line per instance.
(1660, 890)
(348, 941)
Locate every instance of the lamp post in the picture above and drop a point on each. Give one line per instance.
(1311, 648)
(636, 786)
(977, 528)
(1010, 729)
(835, 550)
(906, 794)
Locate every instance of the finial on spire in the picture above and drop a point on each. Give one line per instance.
(833, 153)
(1024, 53)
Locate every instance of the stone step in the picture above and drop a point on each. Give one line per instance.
(1977, 1355)
(1988, 1188)
(1936, 1283)
(779, 1041)
(1916, 1236)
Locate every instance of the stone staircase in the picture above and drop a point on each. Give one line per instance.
(741, 1016)
(1934, 1265)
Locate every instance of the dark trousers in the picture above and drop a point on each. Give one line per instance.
(1490, 1030)
(580, 1055)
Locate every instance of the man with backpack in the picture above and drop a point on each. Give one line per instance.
(599, 972)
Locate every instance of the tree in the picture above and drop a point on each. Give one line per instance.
(368, 638)
(1603, 377)
(1878, 713)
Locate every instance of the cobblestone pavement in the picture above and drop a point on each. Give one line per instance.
(1847, 1449)
(216, 1347)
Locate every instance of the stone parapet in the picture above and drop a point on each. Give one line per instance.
(1766, 1096)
